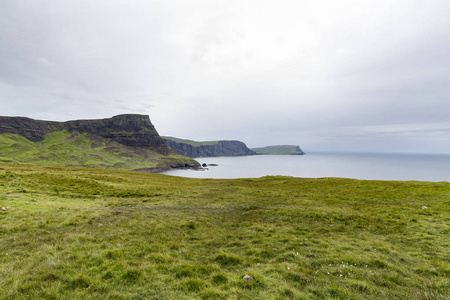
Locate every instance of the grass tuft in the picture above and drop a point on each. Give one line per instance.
(227, 260)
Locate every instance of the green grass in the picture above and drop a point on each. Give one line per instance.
(280, 150)
(75, 149)
(190, 142)
(78, 233)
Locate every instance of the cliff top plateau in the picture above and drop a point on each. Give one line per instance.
(122, 138)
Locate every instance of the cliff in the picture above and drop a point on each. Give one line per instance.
(128, 130)
(33, 130)
(208, 149)
(132, 136)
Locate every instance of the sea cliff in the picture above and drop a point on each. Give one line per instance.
(130, 137)
(208, 149)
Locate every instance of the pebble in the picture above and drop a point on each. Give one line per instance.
(247, 278)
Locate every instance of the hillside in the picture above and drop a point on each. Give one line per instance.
(207, 149)
(77, 233)
(280, 150)
(128, 142)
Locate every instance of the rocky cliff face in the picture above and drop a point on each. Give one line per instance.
(34, 130)
(222, 148)
(129, 130)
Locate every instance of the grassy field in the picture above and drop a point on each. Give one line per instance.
(64, 148)
(78, 233)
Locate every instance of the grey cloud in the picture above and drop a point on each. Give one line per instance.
(320, 76)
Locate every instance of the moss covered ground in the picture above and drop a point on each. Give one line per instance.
(79, 233)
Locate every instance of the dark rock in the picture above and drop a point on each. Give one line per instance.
(33, 130)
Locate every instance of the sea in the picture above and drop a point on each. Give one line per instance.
(370, 166)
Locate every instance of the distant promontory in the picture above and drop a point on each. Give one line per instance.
(279, 150)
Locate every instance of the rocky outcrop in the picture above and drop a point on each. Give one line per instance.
(129, 130)
(221, 148)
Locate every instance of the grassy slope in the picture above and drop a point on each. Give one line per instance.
(64, 148)
(280, 149)
(190, 142)
(76, 233)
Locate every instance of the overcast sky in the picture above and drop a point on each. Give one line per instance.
(327, 75)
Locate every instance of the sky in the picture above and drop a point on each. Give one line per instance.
(348, 75)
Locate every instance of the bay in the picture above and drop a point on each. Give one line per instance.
(372, 166)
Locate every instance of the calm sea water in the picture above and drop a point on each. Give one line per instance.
(316, 165)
